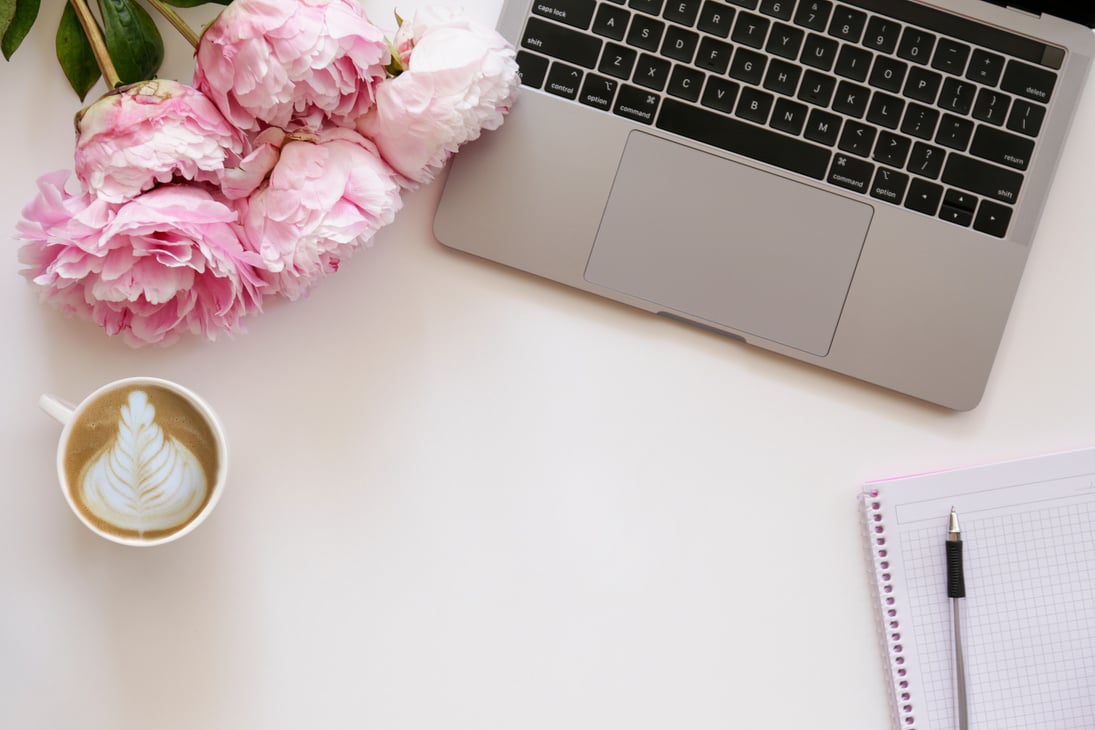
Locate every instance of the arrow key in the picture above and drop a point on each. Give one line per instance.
(992, 218)
(923, 196)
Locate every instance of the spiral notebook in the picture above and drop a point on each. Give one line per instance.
(1028, 528)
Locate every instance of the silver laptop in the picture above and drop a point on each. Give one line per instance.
(854, 184)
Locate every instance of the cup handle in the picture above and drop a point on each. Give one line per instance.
(59, 409)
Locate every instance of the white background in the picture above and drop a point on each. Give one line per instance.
(464, 498)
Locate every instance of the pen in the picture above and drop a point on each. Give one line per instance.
(956, 589)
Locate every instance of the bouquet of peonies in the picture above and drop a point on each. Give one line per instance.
(191, 204)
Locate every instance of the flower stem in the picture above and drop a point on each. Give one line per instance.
(176, 21)
(98, 45)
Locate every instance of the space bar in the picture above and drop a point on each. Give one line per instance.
(744, 139)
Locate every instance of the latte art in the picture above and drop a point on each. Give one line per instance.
(144, 479)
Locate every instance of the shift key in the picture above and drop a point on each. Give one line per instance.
(578, 13)
(982, 178)
(562, 43)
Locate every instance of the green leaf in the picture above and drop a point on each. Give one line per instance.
(75, 54)
(133, 40)
(195, 3)
(26, 12)
(7, 12)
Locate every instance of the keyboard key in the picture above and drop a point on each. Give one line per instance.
(954, 132)
(817, 88)
(982, 178)
(755, 105)
(992, 218)
(857, 138)
(819, 52)
(651, 72)
(611, 22)
(957, 96)
(889, 185)
(748, 66)
(920, 121)
(888, 73)
(716, 19)
(957, 216)
(576, 13)
(922, 85)
(680, 44)
(720, 94)
(1002, 147)
(645, 33)
(926, 161)
(685, 83)
(618, 61)
(745, 139)
(847, 23)
(562, 43)
(750, 30)
(851, 99)
(851, 173)
(950, 56)
(916, 45)
(960, 199)
(682, 11)
(654, 7)
(923, 196)
(782, 77)
(714, 55)
(638, 105)
(985, 67)
(1028, 81)
(789, 116)
(814, 15)
(532, 68)
(991, 106)
(563, 80)
(747, 4)
(892, 149)
(597, 91)
(1026, 118)
(882, 34)
(885, 110)
(785, 41)
(781, 9)
(823, 127)
(853, 63)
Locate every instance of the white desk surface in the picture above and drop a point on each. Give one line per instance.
(465, 498)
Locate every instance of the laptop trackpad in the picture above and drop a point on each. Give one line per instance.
(726, 243)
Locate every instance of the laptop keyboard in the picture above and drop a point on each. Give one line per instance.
(887, 98)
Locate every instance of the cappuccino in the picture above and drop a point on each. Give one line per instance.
(141, 461)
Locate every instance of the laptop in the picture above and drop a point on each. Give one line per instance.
(854, 183)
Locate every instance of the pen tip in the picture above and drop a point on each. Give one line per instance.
(953, 527)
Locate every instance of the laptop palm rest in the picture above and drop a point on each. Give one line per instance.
(727, 244)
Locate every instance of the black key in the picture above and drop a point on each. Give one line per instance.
(954, 132)
(555, 40)
(922, 85)
(853, 63)
(923, 196)
(789, 116)
(892, 149)
(747, 4)
(1026, 118)
(645, 33)
(785, 41)
(823, 127)
(720, 94)
(957, 96)
(889, 185)
(985, 67)
(882, 34)
(885, 110)
(857, 138)
(916, 45)
(651, 72)
(611, 22)
(618, 61)
(888, 73)
(781, 9)
(748, 66)
(817, 88)
(847, 23)
(982, 178)
(716, 19)
(819, 52)
(920, 121)
(960, 199)
(992, 218)
(1028, 81)
(680, 44)
(577, 13)
(851, 173)
(597, 91)
(1002, 148)
(958, 216)
(682, 11)
(755, 105)
(685, 83)
(750, 30)
(745, 139)
(851, 99)
(638, 105)
(991, 106)
(654, 7)
(532, 68)
(782, 77)
(714, 55)
(564, 80)
(926, 161)
(814, 14)
(950, 56)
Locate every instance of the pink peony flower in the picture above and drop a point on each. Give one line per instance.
(326, 194)
(151, 132)
(459, 79)
(291, 63)
(166, 262)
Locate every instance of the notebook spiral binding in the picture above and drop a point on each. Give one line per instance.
(890, 623)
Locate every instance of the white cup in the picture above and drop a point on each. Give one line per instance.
(141, 417)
